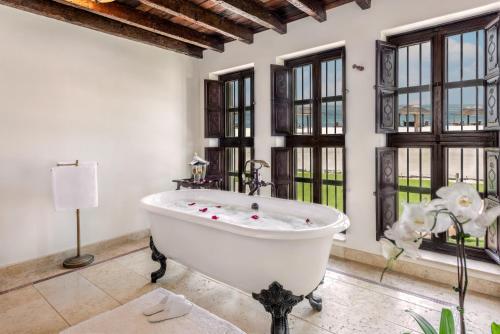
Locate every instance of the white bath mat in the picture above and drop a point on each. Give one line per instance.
(128, 318)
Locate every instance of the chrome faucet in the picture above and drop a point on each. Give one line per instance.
(254, 181)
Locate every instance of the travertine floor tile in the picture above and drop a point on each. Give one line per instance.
(117, 281)
(25, 311)
(75, 298)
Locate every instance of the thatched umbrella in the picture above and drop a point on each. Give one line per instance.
(416, 111)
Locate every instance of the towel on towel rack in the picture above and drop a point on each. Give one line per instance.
(75, 187)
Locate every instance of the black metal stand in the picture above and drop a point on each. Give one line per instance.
(279, 302)
(157, 257)
(315, 301)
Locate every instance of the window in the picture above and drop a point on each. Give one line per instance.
(432, 107)
(238, 115)
(308, 109)
(229, 116)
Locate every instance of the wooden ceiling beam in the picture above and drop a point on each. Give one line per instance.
(98, 23)
(204, 17)
(313, 8)
(130, 16)
(364, 4)
(254, 12)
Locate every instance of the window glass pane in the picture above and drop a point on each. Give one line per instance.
(339, 73)
(469, 61)
(402, 67)
(453, 109)
(332, 184)
(248, 92)
(331, 97)
(231, 92)
(426, 63)
(480, 50)
(414, 65)
(414, 79)
(414, 170)
(307, 82)
(465, 165)
(248, 156)
(453, 56)
(403, 112)
(303, 109)
(232, 168)
(303, 176)
(297, 80)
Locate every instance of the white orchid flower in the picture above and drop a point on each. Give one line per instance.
(462, 200)
(443, 223)
(400, 231)
(410, 247)
(477, 228)
(488, 217)
(405, 237)
(389, 249)
(417, 217)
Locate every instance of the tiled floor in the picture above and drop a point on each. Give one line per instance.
(353, 301)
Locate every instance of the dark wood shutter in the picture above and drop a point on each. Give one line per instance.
(282, 171)
(492, 198)
(281, 100)
(492, 76)
(386, 95)
(215, 155)
(214, 109)
(387, 187)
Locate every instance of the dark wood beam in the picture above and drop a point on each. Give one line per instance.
(127, 15)
(204, 17)
(254, 12)
(364, 4)
(313, 8)
(95, 22)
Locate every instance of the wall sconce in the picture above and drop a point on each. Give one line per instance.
(358, 67)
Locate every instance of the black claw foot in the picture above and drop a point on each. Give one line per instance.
(315, 302)
(157, 257)
(279, 302)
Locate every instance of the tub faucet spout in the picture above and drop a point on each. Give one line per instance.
(254, 181)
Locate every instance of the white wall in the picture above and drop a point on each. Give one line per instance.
(359, 29)
(71, 93)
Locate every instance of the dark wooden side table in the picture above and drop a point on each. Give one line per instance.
(210, 182)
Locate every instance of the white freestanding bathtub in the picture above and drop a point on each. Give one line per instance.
(247, 256)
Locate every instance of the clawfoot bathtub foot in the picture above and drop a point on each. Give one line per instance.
(157, 257)
(279, 302)
(315, 301)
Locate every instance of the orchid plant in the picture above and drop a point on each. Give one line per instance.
(459, 206)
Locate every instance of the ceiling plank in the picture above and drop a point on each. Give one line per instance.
(313, 8)
(254, 12)
(364, 4)
(204, 17)
(130, 16)
(95, 22)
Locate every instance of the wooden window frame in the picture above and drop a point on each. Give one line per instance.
(438, 139)
(316, 140)
(241, 142)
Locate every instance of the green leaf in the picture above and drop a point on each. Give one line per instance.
(495, 328)
(424, 324)
(447, 324)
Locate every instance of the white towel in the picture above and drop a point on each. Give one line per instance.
(75, 187)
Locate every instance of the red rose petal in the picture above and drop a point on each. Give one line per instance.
(215, 217)
(218, 206)
(203, 210)
(191, 204)
(255, 217)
